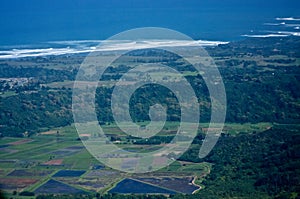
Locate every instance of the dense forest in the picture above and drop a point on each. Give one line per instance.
(270, 100)
(256, 165)
(256, 91)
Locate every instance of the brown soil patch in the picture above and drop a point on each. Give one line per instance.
(85, 135)
(21, 142)
(48, 133)
(54, 162)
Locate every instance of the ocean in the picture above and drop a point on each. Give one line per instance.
(80, 24)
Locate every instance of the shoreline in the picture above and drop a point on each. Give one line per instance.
(86, 46)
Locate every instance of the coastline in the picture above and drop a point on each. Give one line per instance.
(88, 46)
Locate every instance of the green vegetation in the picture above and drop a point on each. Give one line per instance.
(255, 165)
(257, 155)
(262, 163)
(256, 91)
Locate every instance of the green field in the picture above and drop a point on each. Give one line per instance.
(39, 157)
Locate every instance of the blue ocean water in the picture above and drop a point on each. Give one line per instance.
(35, 21)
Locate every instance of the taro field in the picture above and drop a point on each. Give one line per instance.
(56, 162)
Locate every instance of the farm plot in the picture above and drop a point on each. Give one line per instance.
(88, 184)
(101, 173)
(103, 177)
(28, 172)
(129, 163)
(16, 183)
(133, 186)
(56, 187)
(21, 142)
(68, 151)
(5, 150)
(57, 162)
(69, 173)
(183, 185)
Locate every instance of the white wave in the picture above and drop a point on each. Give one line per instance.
(283, 24)
(106, 45)
(287, 19)
(273, 24)
(265, 36)
(18, 53)
(292, 25)
(289, 33)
